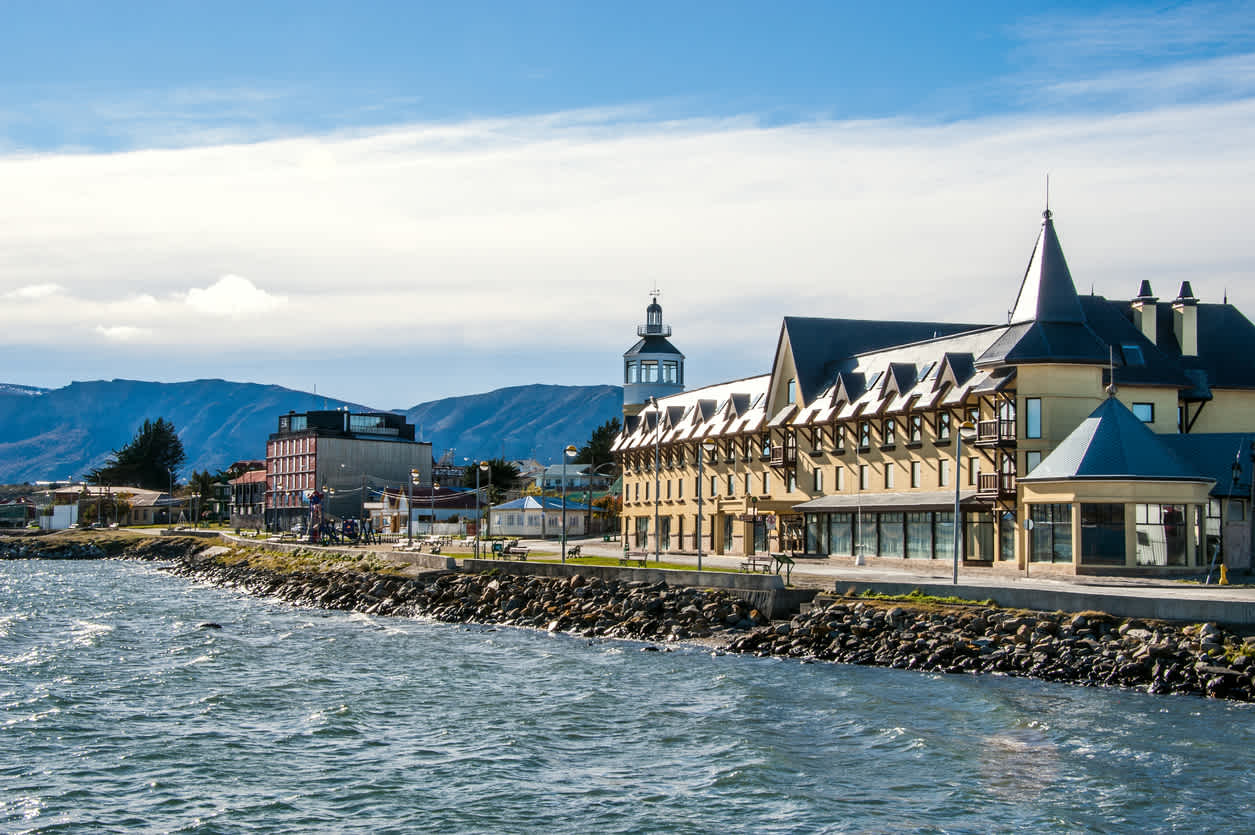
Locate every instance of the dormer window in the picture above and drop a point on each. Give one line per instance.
(1133, 355)
(791, 391)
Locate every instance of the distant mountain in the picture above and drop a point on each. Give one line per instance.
(60, 433)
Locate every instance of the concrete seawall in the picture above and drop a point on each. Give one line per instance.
(1177, 605)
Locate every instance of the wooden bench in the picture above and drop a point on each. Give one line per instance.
(519, 552)
(639, 559)
(756, 563)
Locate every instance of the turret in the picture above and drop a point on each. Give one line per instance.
(652, 367)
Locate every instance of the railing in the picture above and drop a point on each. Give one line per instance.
(996, 484)
(999, 431)
(782, 456)
(653, 330)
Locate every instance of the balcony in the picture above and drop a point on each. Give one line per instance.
(995, 432)
(999, 485)
(782, 456)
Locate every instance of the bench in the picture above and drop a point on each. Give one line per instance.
(639, 559)
(610, 537)
(517, 551)
(784, 561)
(756, 563)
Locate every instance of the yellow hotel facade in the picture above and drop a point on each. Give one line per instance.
(1085, 435)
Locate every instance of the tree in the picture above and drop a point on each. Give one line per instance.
(597, 450)
(148, 461)
(504, 477)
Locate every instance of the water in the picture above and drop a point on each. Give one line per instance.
(119, 714)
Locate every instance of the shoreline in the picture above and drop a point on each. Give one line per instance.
(1085, 648)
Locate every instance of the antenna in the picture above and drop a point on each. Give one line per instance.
(1047, 191)
(656, 293)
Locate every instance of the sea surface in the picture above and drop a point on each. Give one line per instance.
(120, 712)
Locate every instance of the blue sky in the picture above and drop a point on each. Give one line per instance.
(403, 201)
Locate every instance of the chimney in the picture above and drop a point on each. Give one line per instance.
(1185, 320)
(1145, 313)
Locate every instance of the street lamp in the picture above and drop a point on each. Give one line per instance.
(966, 429)
(409, 508)
(705, 448)
(657, 467)
(431, 531)
(567, 452)
(479, 521)
(169, 499)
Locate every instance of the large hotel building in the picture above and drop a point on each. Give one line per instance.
(1084, 435)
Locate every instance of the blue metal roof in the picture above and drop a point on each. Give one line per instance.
(539, 502)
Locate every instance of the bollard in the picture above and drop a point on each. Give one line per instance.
(1224, 575)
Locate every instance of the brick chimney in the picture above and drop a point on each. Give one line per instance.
(1145, 313)
(1185, 320)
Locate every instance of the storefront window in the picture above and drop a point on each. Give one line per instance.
(1161, 534)
(1102, 534)
(889, 527)
(978, 536)
(866, 523)
(816, 539)
(1052, 533)
(841, 533)
(943, 535)
(919, 536)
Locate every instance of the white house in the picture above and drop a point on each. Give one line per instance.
(536, 517)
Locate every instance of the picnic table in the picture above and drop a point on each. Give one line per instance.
(755, 562)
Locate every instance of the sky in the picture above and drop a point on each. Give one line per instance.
(392, 203)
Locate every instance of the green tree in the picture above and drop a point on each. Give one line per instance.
(147, 461)
(504, 477)
(597, 449)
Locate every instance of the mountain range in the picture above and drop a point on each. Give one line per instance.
(51, 434)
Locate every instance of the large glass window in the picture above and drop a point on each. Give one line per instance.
(1102, 534)
(664, 533)
(816, 534)
(866, 523)
(841, 533)
(1052, 533)
(978, 536)
(1032, 417)
(889, 525)
(649, 371)
(919, 536)
(670, 371)
(943, 535)
(632, 373)
(1161, 534)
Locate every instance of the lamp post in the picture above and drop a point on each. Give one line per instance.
(479, 520)
(704, 448)
(567, 452)
(657, 467)
(409, 508)
(169, 499)
(431, 531)
(965, 428)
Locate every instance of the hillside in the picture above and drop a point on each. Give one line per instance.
(63, 433)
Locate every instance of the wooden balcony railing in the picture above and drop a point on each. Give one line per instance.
(782, 456)
(995, 432)
(995, 484)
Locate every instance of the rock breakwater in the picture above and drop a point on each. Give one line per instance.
(1087, 648)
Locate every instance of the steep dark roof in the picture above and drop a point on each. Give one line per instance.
(1113, 444)
(652, 345)
(1226, 343)
(1047, 293)
(1147, 364)
(1027, 342)
(819, 345)
(1213, 454)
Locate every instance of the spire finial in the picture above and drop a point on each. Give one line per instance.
(1046, 214)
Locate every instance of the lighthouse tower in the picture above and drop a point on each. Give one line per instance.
(652, 367)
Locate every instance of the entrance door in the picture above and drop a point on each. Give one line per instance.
(664, 533)
(760, 536)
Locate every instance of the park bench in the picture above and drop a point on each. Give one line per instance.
(514, 549)
(638, 558)
(754, 563)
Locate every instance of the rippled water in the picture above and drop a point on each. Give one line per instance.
(118, 713)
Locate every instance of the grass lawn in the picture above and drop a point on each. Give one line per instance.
(614, 562)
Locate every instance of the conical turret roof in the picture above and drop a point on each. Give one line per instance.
(1047, 293)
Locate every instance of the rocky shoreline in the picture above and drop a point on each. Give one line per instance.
(1089, 648)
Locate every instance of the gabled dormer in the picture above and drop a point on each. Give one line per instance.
(956, 369)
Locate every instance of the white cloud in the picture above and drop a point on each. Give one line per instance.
(234, 296)
(122, 333)
(34, 291)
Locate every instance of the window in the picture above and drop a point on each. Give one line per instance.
(790, 482)
(1132, 355)
(973, 470)
(714, 486)
(943, 473)
(916, 423)
(679, 488)
(766, 483)
(862, 476)
(638, 491)
(838, 437)
(670, 371)
(889, 468)
(819, 480)
(840, 479)
(791, 391)
(1161, 534)
(889, 527)
(864, 434)
(731, 485)
(1031, 460)
(841, 533)
(890, 432)
(1051, 537)
(919, 536)
(647, 491)
(915, 473)
(816, 540)
(649, 371)
(943, 426)
(748, 488)
(631, 374)
(765, 445)
(1032, 417)
(1145, 412)
(1102, 534)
